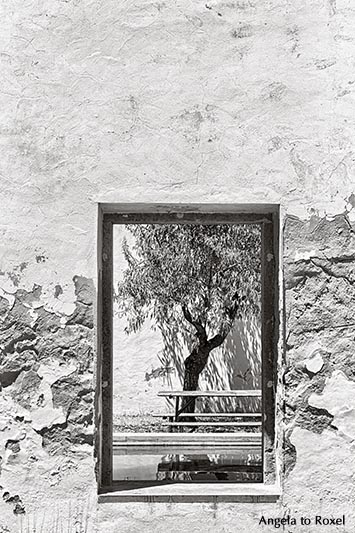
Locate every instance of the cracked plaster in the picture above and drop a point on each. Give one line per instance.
(338, 397)
(170, 102)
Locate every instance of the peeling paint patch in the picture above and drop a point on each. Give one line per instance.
(275, 91)
(314, 419)
(290, 455)
(41, 258)
(57, 291)
(37, 354)
(351, 200)
(338, 397)
(315, 362)
(322, 64)
(319, 277)
(242, 31)
(83, 313)
(18, 506)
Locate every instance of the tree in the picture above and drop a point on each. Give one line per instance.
(202, 275)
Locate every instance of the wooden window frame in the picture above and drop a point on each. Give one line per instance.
(110, 214)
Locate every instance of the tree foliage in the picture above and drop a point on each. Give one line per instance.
(203, 275)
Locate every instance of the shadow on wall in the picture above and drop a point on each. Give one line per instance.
(236, 365)
(152, 359)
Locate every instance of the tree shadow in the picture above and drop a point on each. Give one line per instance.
(236, 365)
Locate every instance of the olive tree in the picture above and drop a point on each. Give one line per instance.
(200, 276)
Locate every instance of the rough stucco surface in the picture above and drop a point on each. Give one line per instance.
(182, 101)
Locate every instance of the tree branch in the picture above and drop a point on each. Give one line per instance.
(230, 267)
(217, 340)
(201, 332)
(231, 312)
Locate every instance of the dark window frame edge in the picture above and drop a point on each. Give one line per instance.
(268, 215)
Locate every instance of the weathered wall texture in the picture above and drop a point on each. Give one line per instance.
(186, 101)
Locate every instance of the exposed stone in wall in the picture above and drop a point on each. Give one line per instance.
(83, 314)
(46, 376)
(338, 396)
(319, 375)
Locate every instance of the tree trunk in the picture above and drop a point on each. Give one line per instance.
(197, 360)
(194, 364)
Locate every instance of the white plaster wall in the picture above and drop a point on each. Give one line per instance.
(139, 373)
(182, 101)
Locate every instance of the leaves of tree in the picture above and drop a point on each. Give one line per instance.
(201, 275)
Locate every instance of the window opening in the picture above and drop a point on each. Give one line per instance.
(188, 313)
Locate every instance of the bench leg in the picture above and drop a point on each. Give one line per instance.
(176, 418)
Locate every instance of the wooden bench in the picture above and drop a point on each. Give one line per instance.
(175, 419)
(210, 415)
(213, 424)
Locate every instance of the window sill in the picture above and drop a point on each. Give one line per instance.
(192, 492)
